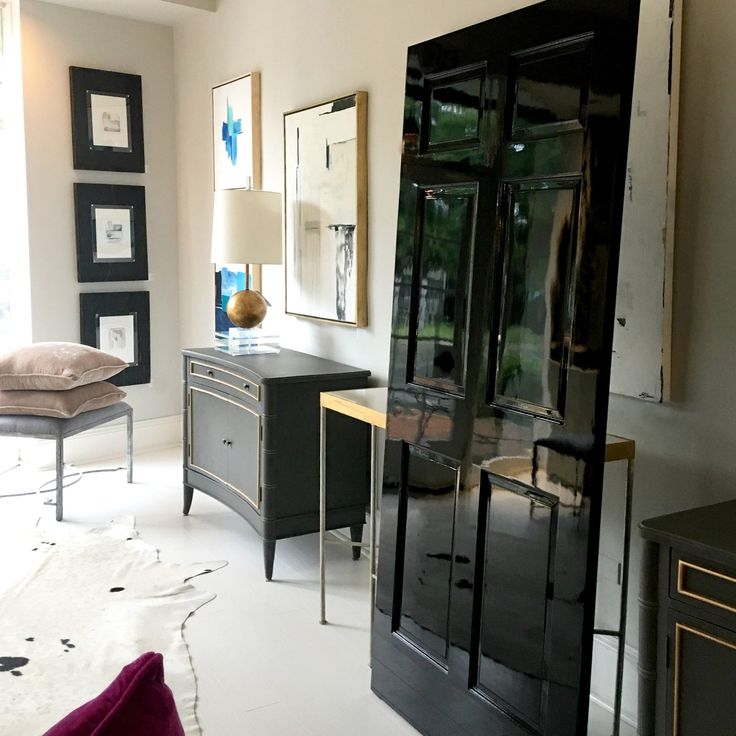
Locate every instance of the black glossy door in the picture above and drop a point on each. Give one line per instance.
(512, 182)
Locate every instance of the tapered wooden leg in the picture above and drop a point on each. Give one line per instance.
(356, 534)
(188, 495)
(269, 552)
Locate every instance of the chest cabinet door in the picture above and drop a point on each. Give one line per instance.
(207, 433)
(224, 438)
(244, 455)
(703, 660)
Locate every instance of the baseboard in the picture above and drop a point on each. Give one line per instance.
(102, 443)
(603, 678)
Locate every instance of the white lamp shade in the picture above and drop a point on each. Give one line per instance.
(246, 227)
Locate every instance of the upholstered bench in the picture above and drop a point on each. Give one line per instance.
(54, 428)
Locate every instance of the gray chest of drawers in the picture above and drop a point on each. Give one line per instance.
(251, 440)
(687, 638)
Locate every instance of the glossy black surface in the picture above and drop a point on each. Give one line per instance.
(437, 334)
(535, 316)
(511, 194)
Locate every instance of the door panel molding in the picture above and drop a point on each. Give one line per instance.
(428, 492)
(503, 582)
(564, 112)
(465, 89)
(515, 363)
(441, 297)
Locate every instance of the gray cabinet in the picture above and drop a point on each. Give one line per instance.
(687, 659)
(251, 440)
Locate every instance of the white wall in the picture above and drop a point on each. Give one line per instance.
(54, 38)
(306, 51)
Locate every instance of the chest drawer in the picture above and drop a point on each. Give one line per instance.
(702, 584)
(215, 376)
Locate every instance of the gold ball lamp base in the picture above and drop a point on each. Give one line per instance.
(246, 308)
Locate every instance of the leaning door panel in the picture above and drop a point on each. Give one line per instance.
(512, 183)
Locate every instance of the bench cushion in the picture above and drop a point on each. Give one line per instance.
(18, 425)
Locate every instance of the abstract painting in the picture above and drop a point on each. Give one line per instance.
(325, 194)
(107, 120)
(236, 133)
(111, 232)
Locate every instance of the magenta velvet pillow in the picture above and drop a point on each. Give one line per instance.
(136, 703)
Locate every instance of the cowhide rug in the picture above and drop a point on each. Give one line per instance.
(91, 603)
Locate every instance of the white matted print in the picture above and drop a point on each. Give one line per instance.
(325, 200)
(236, 133)
(109, 120)
(117, 336)
(113, 236)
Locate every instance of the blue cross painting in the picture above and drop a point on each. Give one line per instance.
(235, 132)
(231, 129)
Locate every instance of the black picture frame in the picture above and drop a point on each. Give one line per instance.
(118, 322)
(107, 120)
(110, 222)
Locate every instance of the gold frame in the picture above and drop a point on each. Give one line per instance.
(361, 230)
(681, 565)
(257, 503)
(255, 122)
(679, 629)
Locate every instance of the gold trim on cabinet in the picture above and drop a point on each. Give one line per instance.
(679, 628)
(681, 565)
(256, 504)
(207, 366)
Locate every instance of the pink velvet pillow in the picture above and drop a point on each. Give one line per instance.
(56, 366)
(61, 404)
(136, 703)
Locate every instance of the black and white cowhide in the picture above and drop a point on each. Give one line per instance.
(91, 602)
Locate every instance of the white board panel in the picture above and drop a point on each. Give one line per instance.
(641, 346)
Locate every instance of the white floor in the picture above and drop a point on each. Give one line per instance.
(264, 665)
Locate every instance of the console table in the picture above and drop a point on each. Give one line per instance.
(252, 437)
(367, 405)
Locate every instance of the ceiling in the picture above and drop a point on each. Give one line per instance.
(168, 12)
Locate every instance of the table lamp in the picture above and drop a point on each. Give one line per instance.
(246, 229)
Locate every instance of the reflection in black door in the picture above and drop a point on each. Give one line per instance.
(514, 148)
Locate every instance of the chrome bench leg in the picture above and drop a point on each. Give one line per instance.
(130, 447)
(59, 478)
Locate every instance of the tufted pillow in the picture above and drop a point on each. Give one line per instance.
(56, 366)
(62, 404)
(136, 703)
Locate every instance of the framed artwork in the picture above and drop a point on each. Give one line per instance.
(325, 196)
(236, 133)
(107, 120)
(119, 323)
(111, 232)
